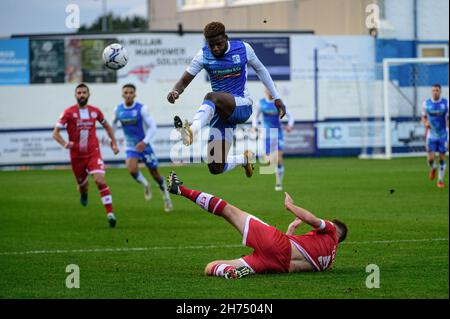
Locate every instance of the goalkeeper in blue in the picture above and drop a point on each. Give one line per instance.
(435, 119)
(139, 128)
(229, 103)
(272, 134)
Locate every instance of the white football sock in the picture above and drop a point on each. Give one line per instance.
(202, 118)
(279, 174)
(140, 178)
(233, 161)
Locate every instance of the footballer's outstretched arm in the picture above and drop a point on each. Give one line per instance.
(301, 213)
(180, 86)
(193, 69)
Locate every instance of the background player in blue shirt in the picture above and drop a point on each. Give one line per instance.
(229, 103)
(272, 133)
(139, 128)
(435, 119)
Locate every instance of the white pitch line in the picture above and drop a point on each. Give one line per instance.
(131, 249)
(396, 241)
(100, 250)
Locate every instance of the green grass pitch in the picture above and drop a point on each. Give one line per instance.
(397, 220)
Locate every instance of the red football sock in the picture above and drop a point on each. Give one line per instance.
(206, 201)
(105, 194)
(220, 269)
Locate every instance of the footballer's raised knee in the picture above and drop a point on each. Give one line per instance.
(211, 96)
(216, 168)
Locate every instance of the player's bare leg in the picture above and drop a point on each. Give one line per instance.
(432, 164)
(229, 269)
(442, 167)
(168, 207)
(133, 169)
(106, 197)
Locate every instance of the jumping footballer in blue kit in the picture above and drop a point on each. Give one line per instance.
(435, 119)
(229, 103)
(139, 128)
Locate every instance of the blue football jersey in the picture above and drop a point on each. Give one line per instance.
(270, 116)
(227, 73)
(132, 124)
(436, 113)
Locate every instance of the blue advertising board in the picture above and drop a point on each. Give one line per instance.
(14, 62)
(274, 53)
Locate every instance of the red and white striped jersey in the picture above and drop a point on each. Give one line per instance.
(80, 124)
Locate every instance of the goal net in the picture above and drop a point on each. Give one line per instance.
(394, 128)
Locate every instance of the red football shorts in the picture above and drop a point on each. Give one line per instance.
(272, 248)
(83, 166)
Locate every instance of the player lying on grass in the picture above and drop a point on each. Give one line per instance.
(274, 251)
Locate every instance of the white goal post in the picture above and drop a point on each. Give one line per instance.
(406, 84)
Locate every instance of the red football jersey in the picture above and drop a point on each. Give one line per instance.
(80, 124)
(318, 246)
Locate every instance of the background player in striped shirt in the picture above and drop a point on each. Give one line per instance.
(272, 134)
(435, 119)
(229, 103)
(85, 156)
(139, 128)
(274, 251)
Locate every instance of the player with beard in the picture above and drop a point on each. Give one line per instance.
(85, 156)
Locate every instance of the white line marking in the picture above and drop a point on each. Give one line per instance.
(396, 241)
(131, 249)
(100, 250)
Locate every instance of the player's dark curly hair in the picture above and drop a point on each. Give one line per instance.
(342, 229)
(129, 85)
(213, 29)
